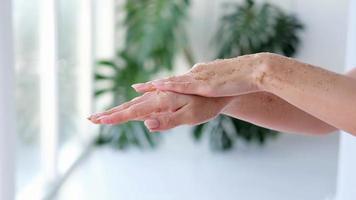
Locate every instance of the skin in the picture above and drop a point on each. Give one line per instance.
(272, 112)
(163, 110)
(266, 89)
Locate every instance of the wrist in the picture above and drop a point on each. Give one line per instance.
(266, 67)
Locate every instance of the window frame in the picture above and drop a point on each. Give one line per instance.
(7, 109)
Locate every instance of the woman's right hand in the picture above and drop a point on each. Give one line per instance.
(220, 78)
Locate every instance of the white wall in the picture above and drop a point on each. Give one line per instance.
(347, 163)
(323, 41)
(7, 121)
(325, 36)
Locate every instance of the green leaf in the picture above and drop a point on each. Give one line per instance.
(102, 77)
(245, 29)
(101, 92)
(108, 63)
(198, 131)
(122, 142)
(154, 36)
(252, 28)
(226, 141)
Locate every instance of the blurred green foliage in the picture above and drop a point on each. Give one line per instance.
(155, 34)
(246, 29)
(252, 28)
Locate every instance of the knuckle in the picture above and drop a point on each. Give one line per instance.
(164, 96)
(134, 112)
(198, 67)
(160, 100)
(158, 109)
(168, 121)
(172, 78)
(186, 84)
(161, 105)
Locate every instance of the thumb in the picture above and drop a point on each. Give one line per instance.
(165, 122)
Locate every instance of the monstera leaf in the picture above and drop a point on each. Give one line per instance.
(246, 29)
(154, 35)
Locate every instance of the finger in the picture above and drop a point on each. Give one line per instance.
(185, 84)
(192, 87)
(181, 78)
(150, 86)
(166, 121)
(134, 112)
(143, 87)
(94, 118)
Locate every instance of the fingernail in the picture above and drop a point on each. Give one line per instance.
(137, 85)
(152, 124)
(93, 117)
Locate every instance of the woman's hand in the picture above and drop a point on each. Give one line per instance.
(164, 110)
(220, 78)
(325, 95)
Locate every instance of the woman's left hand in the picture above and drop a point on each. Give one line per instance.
(220, 78)
(164, 110)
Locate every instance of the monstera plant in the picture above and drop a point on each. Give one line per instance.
(246, 29)
(155, 34)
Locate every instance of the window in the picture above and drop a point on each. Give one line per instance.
(53, 59)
